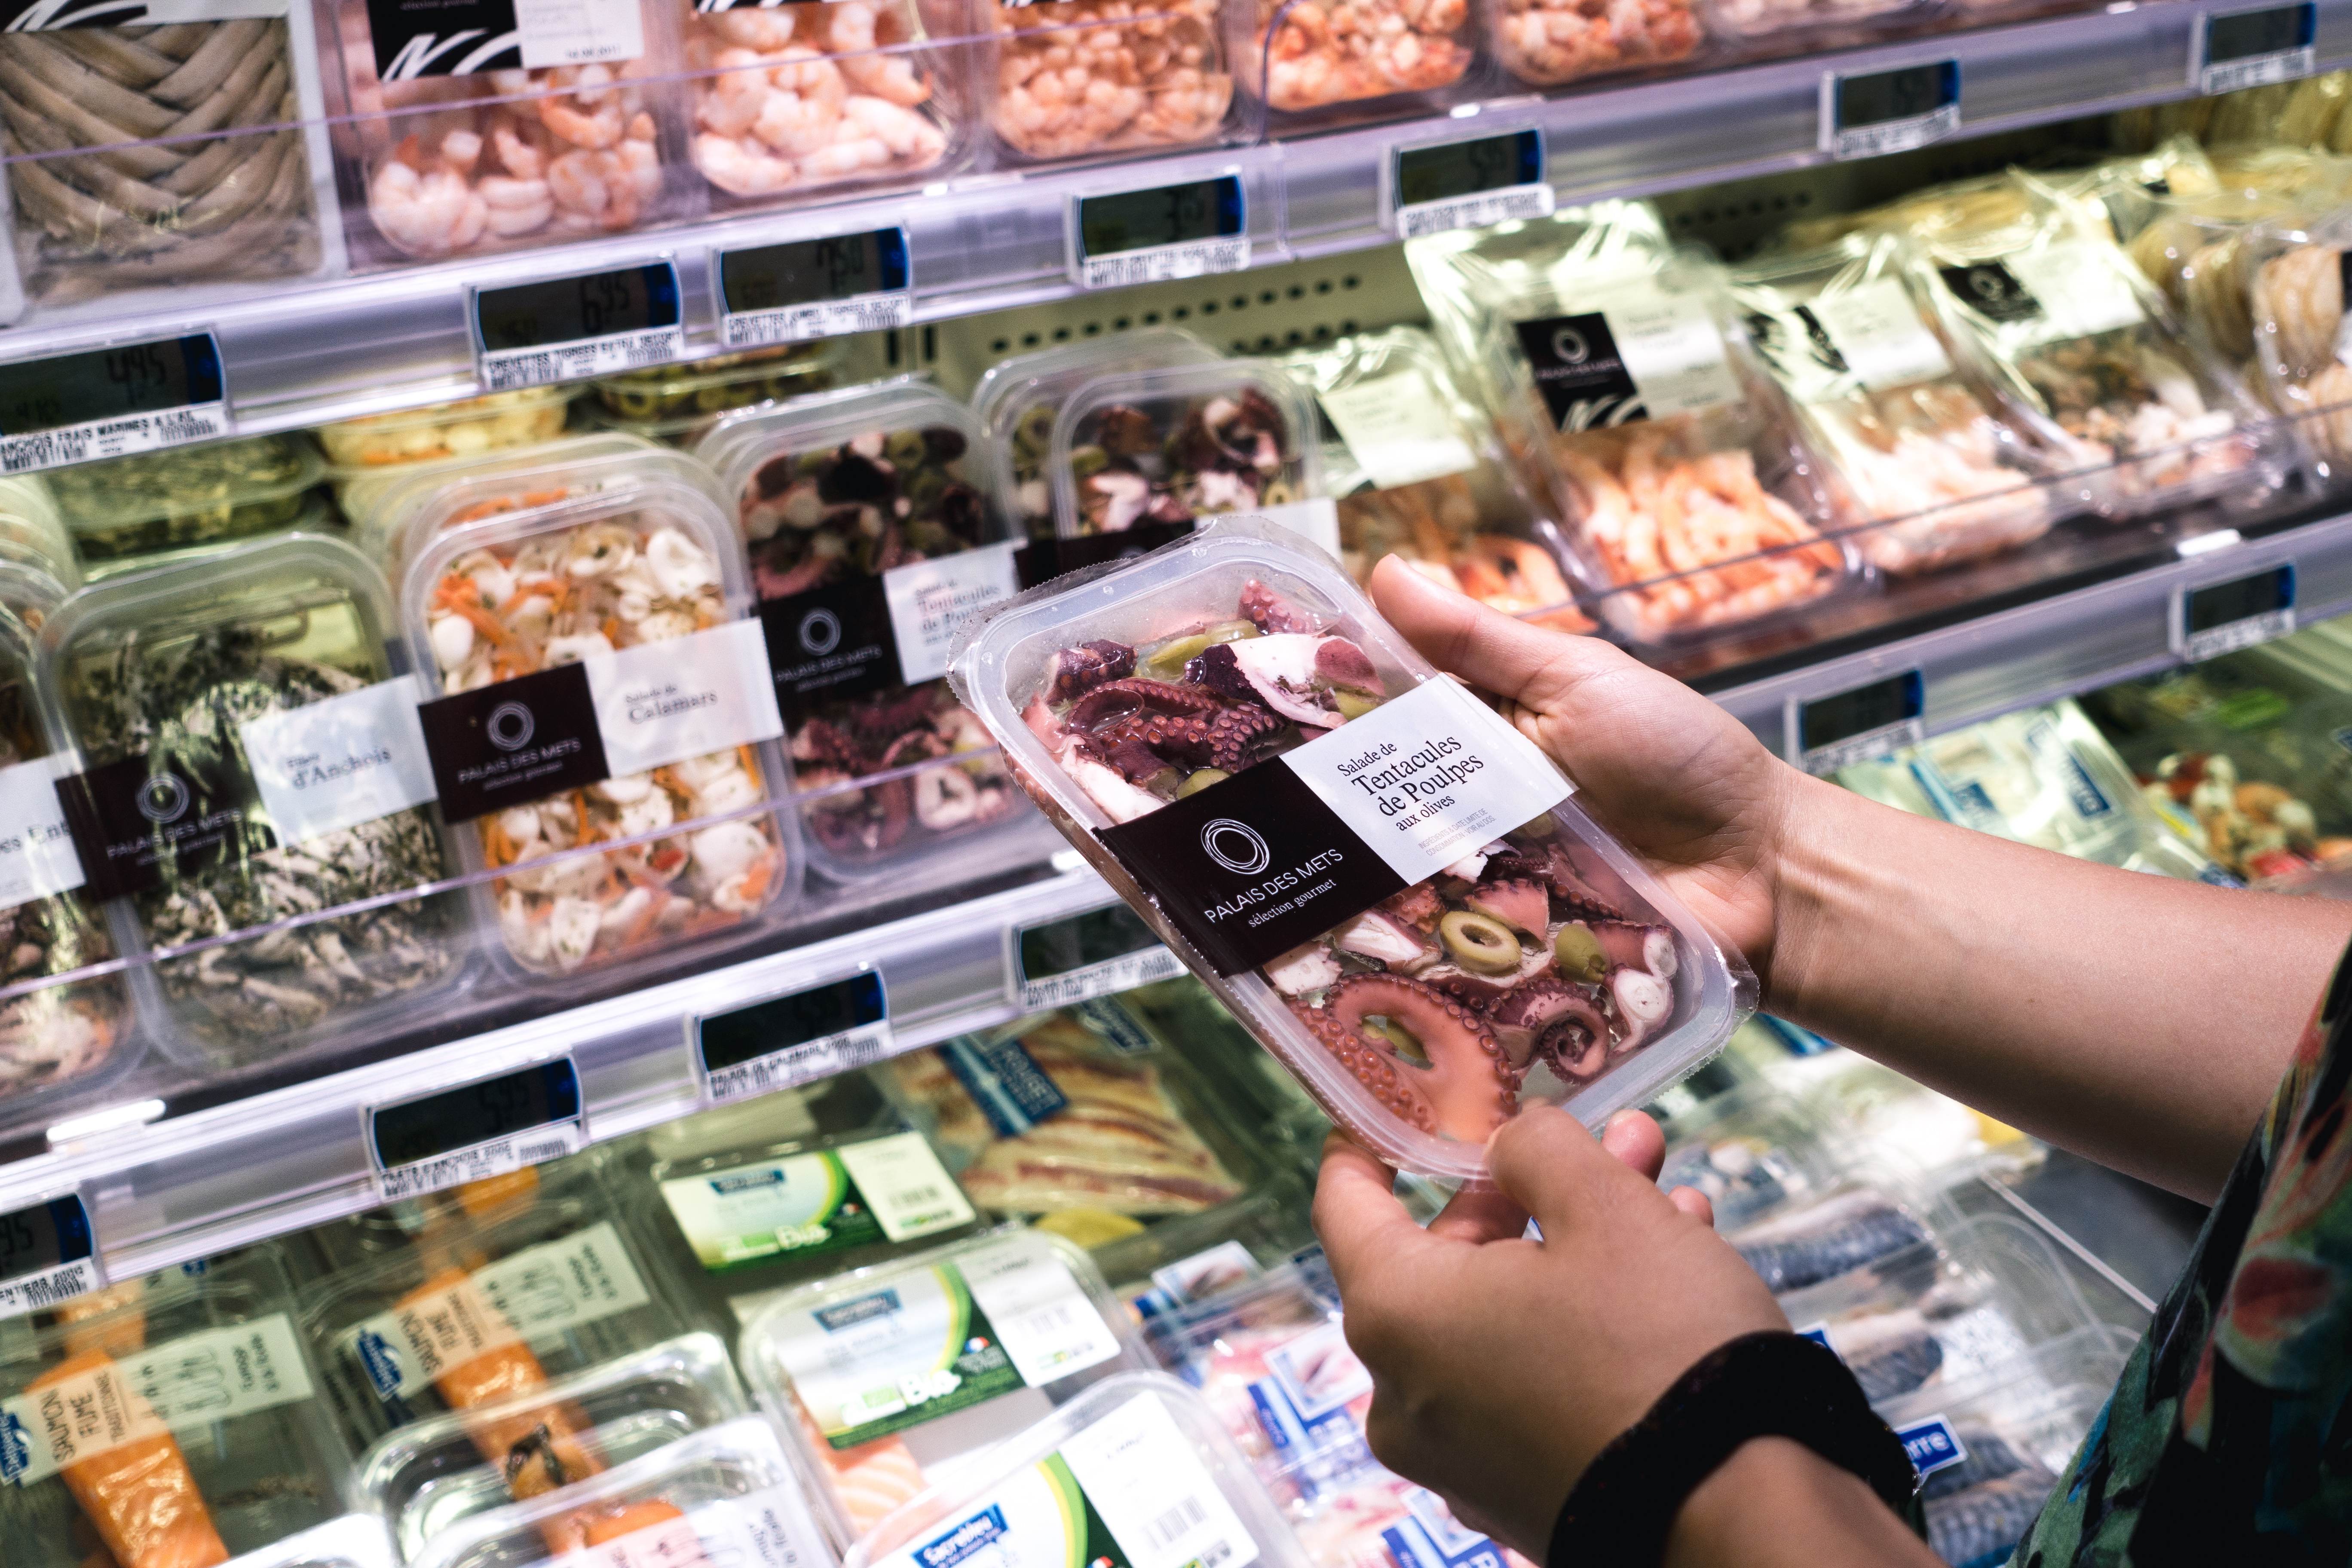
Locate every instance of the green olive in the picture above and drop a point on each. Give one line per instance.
(1576, 953)
(904, 448)
(1201, 780)
(1231, 631)
(1538, 827)
(1479, 943)
(1277, 492)
(1085, 460)
(1167, 662)
(1353, 704)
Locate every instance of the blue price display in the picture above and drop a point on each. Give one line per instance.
(474, 1113)
(71, 389)
(2239, 599)
(35, 1239)
(1449, 170)
(573, 309)
(813, 271)
(1185, 213)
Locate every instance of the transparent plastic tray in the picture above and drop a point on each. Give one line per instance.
(462, 429)
(1818, 23)
(437, 1473)
(354, 1540)
(1658, 1003)
(1156, 77)
(1549, 42)
(137, 506)
(885, 1374)
(32, 533)
(1312, 63)
(2292, 272)
(391, 512)
(669, 400)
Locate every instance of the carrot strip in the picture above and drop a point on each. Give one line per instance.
(140, 1496)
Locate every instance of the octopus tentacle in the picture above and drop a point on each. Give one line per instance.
(1236, 733)
(1115, 699)
(1166, 739)
(1272, 614)
(1078, 671)
(1469, 1087)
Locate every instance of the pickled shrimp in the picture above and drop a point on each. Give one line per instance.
(1090, 76)
(1551, 41)
(1330, 51)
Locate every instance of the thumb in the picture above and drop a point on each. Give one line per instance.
(1549, 1164)
(1499, 653)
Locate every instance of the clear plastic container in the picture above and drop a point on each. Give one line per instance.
(886, 1374)
(629, 563)
(1128, 1460)
(429, 1476)
(1931, 471)
(221, 1447)
(831, 493)
(2295, 296)
(670, 401)
(1778, 24)
(1015, 401)
(1751, 1154)
(794, 99)
(1548, 43)
(1308, 58)
(723, 1497)
(1081, 78)
(172, 667)
(32, 533)
(354, 1540)
(2187, 245)
(1623, 992)
(465, 428)
(139, 506)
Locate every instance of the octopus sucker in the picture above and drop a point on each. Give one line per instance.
(1468, 1086)
(1272, 614)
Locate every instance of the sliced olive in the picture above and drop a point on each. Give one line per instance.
(1576, 953)
(1478, 942)
(1353, 704)
(1201, 780)
(1169, 662)
(1229, 631)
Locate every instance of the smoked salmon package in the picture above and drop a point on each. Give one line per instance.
(163, 1423)
(884, 1375)
(1387, 884)
(723, 1498)
(1135, 1470)
(426, 1478)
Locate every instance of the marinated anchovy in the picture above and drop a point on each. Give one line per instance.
(1221, 454)
(1836, 1238)
(1442, 1000)
(192, 495)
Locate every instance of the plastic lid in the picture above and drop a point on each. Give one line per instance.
(195, 491)
(1182, 442)
(463, 428)
(354, 1540)
(380, 506)
(1015, 400)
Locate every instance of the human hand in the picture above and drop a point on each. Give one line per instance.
(1673, 775)
(1501, 1366)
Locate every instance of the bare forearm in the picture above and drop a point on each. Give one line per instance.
(1776, 1504)
(2140, 1021)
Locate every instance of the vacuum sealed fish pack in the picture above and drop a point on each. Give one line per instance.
(885, 1378)
(1858, 1240)
(1386, 883)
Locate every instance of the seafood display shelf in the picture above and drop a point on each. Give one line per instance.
(1000, 240)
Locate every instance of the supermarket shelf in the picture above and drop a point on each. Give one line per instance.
(300, 354)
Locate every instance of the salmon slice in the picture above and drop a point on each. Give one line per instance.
(142, 1495)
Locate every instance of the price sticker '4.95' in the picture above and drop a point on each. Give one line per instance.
(109, 402)
(2234, 49)
(48, 1254)
(1860, 724)
(795, 1039)
(1095, 953)
(1891, 111)
(2222, 617)
(476, 1130)
(1188, 230)
(563, 329)
(1446, 185)
(814, 289)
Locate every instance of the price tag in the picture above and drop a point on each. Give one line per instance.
(795, 1039)
(2230, 49)
(1446, 186)
(1091, 954)
(48, 1254)
(476, 1130)
(2222, 617)
(814, 289)
(1889, 112)
(1190, 230)
(107, 403)
(1857, 726)
(563, 329)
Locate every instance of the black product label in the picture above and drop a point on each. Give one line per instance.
(1047, 559)
(443, 37)
(1992, 291)
(44, 16)
(1251, 866)
(829, 643)
(518, 741)
(1577, 369)
(142, 821)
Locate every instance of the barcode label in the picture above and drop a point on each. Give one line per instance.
(1165, 263)
(1171, 1526)
(823, 319)
(803, 1063)
(36, 1292)
(1518, 203)
(1146, 1480)
(508, 370)
(1107, 978)
(113, 438)
(482, 1161)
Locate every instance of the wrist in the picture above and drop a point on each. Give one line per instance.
(1802, 839)
(1775, 1503)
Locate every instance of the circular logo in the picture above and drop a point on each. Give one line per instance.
(1235, 846)
(1568, 344)
(510, 726)
(162, 798)
(820, 631)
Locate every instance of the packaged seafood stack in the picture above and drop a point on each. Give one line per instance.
(396, 513)
(527, 1443)
(354, 1540)
(2188, 245)
(1314, 61)
(2295, 299)
(452, 1307)
(1779, 26)
(192, 153)
(214, 1445)
(1630, 401)
(467, 429)
(884, 1374)
(1186, 444)
(636, 580)
(790, 98)
(1109, 1477)
(33, 536)
(1180, 716)
(199, 701)
(2085, 350)
(1750, 1153)
(1015, 401)
(1962, 205)
(1272, 1361)
(2044, 776)
(1548, 43)
(2314, 111)
(677, 403)
(1080, 78)
(1412, 468)
(552, 124)
(872, 528)
(1855, 1243)
(724, 1495)
(174, 505)
(1931, 472)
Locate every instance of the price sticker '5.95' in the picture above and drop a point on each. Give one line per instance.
(1860, 724)
(110, 402)
(1091, 954)
(2222, 617)
(1188, 230)
(2232, 49)
(795, 1039)
(563, 329)
(476, 1130)
(1891, 111)
(48, 1254)
(814, 289)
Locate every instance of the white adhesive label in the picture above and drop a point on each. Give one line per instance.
(1315, 519)
(1044, 1319)
(1877, 332)
(46, 1288)
(664, 703)
(908, 1190)
(1672, 349)
(818, 319)
(578, 32)
(1869, 746)
(336, 763)
(1397, 429)
(1165, 263)
(1150, 1487)
(805, 1063)
(889, 1189)
(497, 1157)
(769, 1529)
(2082, 286)
(116, 437)
(930, 599)
(37, 852)
(1429, 777)
(1509, 204)
(181, 1385)
(1893, 135)
(510, 370)
(1204, 1274)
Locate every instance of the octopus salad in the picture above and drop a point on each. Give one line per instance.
(1230, 452)
(1520, 969)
